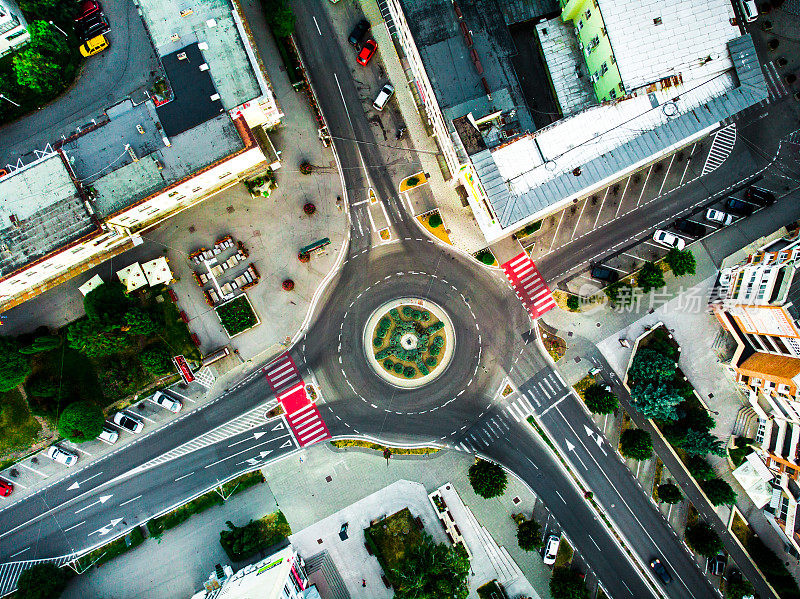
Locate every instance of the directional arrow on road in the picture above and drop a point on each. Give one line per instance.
(598, 439)
(589, 431)
(570, 446)
(77, 485)
(254, 461)
(103, 499)
(107, 528)
(245, 440)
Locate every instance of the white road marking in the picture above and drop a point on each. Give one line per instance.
(317, 24)
(33, 470)
(184, 476)
(130, 500)
(74, 526)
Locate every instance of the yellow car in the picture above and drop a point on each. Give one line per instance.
(94, 45)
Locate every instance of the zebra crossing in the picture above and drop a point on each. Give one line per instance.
(721, 147)
(205, 377)
(529, 285)
(10, 571)
(775, 84)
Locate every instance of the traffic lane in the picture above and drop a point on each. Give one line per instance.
(622, 498)
(109, 512)
(525, 455)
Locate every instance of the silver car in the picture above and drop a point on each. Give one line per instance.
(551, 550)
(166, 402)
(129, 423)
(62, 456)
(719, 217)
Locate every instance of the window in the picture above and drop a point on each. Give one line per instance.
(196, 189)
(657, 21)
(603, 69)
(580, 24)
(173, 193)
(762, 430)
(16, 34)
(588, 14)
(223, 175)
(612, 93)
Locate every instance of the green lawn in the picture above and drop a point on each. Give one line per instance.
(176, 333)
(237, 315)
(18, 427)
(391, 537)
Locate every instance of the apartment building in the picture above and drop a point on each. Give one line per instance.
(13, 28)
(633, 80)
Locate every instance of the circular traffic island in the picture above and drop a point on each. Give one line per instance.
(409, 342)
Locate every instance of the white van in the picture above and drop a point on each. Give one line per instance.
(108, 435)
(749, 10)
(383, 97)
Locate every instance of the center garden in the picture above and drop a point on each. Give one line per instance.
(409, 342)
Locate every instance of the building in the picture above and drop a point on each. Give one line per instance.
(95, 195)
(633, 80)
(13, 28)
(757, 301)
(279, 576)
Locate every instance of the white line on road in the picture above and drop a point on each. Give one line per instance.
(244, 451)
(622, 197)
(146, 418)
(593, 541)
(688, 160)
(184, 476)
(669, 166)
(76, 448)
(130, 500)
(75, 526)
(646, 179)
(317, 24)
(577, 222)
(33, 470)
(20, 552)
(560, 220)
(561, 497)
(599, 212)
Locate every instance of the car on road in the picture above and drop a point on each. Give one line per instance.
(689, 227)
(601, 273)
(660, 570)
(108, 435)
(358, 32)
(367, 52)
(129, 423)
(719, 217)
(166, 402)
(387, 91)
(716, 565)
(551, 549)
(759, 196)
(93, 46)
(668, 240)
(739, 207)
(62, 456)
(5, 488)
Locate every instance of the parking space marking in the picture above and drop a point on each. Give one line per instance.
(577, 222)
(622, 197)
(688, 160)
(601, 208)
(33, 470)
(666, 175)
(646, 179)
(146, 418)
(555, 235)
(76, 448)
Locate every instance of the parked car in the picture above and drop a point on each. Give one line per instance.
(716, 565)
(92, 27)
(367, 52)
(108, 435)
(387, 91)
(62, 456)
(660, 570)
(358, 32)
(668, 240)
(601, 273)
(551, 549)
(749, 10)
(129, 423)
(93, 46)
(5, 488)
(690, 227)
(739, 207)
(759, 196)
(166, 402)
(88, 9)
(719, 217)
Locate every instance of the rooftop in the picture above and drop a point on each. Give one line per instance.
(40, 212)
(212, 25)
(764, 365)
(654, 40)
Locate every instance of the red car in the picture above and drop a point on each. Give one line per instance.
(88, 9)
(367, 52)
(5, 488)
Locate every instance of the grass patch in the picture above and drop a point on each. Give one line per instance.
(18, 428)
(741, 529)
(381, 448)
(391, 537)
(740, 452)
(176, 333)
(157, 526)
(564, 554)
(241, 542)
(491, 590)
(485, 256)
(554, 345)
(657, 477)
(237, 315)
(583, 384)
(115, 548)
(529, 229)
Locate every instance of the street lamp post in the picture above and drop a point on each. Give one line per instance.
(2, 97)
(64, 33)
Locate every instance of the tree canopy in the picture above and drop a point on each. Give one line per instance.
(81, 421)
(94, 339)
(650, 365)
(650, 277)
(47, 40)
(636, 443)
(107, 303)
(280, 17)
(14, 366)
(487, 479)
(702, 538)
(701, 443)
(719, 492)
(42, 581)
(38, 73)
(599, 400)
(669, 493)
(139, 322)
(156, 360)
(699, 468)
(567, 584)
(529, 535)
(655, 400)
(681, 262)
(431, 570)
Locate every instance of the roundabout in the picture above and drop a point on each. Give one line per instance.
(409, 342)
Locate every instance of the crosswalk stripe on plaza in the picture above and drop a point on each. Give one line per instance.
(529, 285)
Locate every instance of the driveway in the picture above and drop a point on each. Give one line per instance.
(126, 69)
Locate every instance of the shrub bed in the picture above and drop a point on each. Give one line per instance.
(237, 315)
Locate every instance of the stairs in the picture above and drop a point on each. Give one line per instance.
(322, 562)
(745, 423)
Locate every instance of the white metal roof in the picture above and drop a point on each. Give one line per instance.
(688, 34)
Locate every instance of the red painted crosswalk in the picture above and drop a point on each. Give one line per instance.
(303, 417)
(529, 285)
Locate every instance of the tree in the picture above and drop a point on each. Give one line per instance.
(95, 339)
(57, 10)
(655, 400)
(701, 443)
(650, 277)
(156, 360)
(241, 542)
(280, 17)
(14, 366)
(719, 492)
(599, 400)
(573, 302)
(139, 322)
(699, 468)
(487, 479)
(702, 539)
(739, 588)
(636, 443)
(81, 421)
(529, 535)
(42, 581)
(119, 378)
(669, 493)
(650, 365)
(107, 303)
(42, 344)
(431, 570)
(38, 73)
(47, 41)
(681, 262)
(567, 584)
